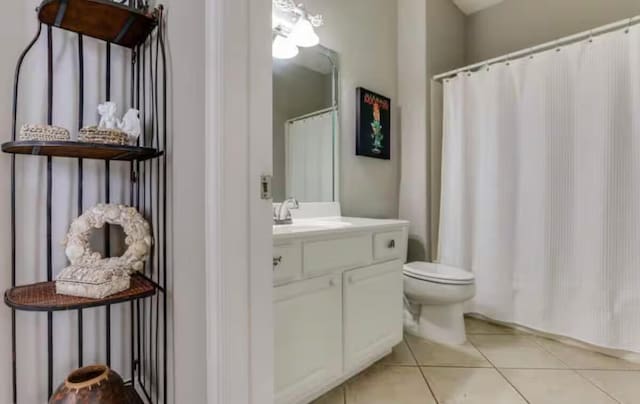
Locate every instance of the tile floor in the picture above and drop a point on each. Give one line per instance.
(497, 365)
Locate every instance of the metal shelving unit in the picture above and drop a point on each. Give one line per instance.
(132, 24)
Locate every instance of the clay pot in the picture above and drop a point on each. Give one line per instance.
(91, 385)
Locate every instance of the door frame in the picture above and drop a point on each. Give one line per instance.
(238, 231)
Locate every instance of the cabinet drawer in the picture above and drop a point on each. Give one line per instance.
(388, 245)
(287, 263)
(336, 254)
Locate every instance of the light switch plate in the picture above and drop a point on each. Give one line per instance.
(265, 186)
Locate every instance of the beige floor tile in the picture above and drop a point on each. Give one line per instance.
(515, 351)
(577, 358)
(429, 353)
(624, 386)
(335, 396)
(546, 386)
(400, 356)
(470, 386)
(477, 326)
(389, 385)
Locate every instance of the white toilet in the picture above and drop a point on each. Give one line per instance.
(436, 294)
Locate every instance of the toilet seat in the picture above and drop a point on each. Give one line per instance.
(438, 273)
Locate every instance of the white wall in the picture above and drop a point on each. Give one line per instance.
(363, 33)
(186, 42)
(13, 33)
(518, 24)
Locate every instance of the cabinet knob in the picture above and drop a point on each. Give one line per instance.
(350, 279)
(276, 261)
(332, 282)
(392, 244)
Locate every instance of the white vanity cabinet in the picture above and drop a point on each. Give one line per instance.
(337, 304)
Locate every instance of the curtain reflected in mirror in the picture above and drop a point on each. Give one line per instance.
(305, 121)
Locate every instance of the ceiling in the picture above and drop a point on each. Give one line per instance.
(472, 6)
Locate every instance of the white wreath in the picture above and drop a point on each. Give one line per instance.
(138, 237)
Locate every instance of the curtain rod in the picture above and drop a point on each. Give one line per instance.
(312, 114)
(627, 23)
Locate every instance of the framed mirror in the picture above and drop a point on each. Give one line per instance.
(306, 126)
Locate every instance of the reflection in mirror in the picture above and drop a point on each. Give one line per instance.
(305, 118)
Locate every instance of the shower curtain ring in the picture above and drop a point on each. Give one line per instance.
(626, 31)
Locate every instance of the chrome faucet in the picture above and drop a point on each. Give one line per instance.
(282, 215)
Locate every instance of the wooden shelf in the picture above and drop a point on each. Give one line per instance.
(43, 296)
(101, 19)
(81, 150)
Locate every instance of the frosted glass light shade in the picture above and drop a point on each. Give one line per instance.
(303, 34)
(284, 48)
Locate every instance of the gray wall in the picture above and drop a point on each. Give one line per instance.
(363, 33)
(296, 91)
(412, 105)
(518, 24)
(430, 39)
(446, 29)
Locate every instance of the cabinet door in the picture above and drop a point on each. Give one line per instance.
(372, 312)
(308, 337)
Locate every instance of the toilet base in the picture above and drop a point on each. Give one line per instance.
(439, 323)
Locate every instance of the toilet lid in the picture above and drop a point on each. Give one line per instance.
(429, 271)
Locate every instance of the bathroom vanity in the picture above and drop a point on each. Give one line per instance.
(337, 301)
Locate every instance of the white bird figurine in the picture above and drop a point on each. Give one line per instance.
(130, 124)
(107, 113)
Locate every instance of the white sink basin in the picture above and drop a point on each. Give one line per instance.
(309, 225)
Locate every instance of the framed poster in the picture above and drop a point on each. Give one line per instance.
(373, 124)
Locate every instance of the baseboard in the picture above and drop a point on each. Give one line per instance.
(616, 353)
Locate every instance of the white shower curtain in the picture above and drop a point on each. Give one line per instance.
(541, 189)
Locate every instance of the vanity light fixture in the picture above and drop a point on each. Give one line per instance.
(304, 35)
(293, 27)
(283, 48)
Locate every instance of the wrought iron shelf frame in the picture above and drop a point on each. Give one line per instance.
(148, 381)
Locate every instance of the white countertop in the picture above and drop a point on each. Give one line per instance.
(332, 225)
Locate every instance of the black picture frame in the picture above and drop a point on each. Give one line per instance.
(373, 124)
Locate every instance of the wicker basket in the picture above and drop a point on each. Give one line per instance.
(92, 134)
(43, 133)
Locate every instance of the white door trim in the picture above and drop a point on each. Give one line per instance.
(238, 223)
